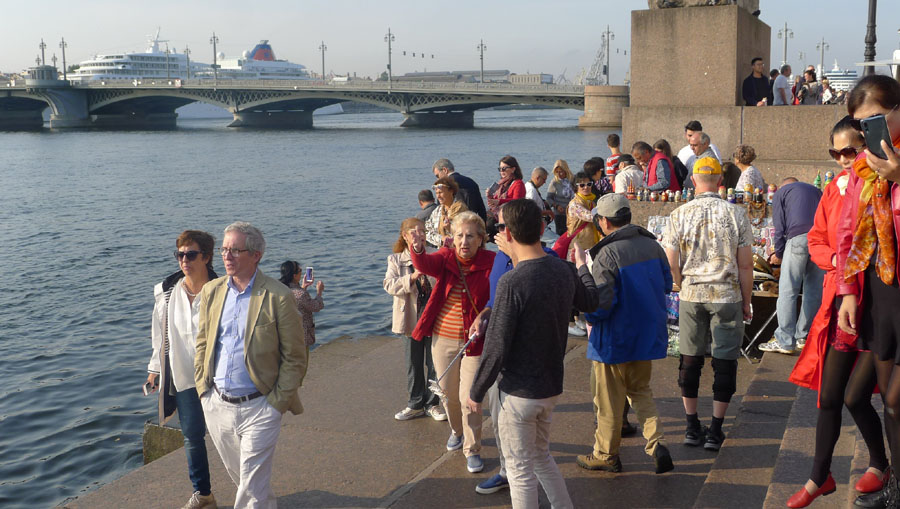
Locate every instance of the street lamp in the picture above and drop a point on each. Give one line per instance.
(389, 38)
(214, 40)
(785, 33)
(53, 59)
(481, 49)
(43, 47)
(168, 76)
(869, 53)
(187, 55)
(609, 36)
(822, 47)
(63, 45)
(323, 48)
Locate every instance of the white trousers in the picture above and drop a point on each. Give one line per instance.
(525, 433)
(245, 435)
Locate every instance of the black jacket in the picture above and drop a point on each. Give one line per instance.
(470, 194)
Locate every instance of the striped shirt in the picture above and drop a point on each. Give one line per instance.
(449, 322)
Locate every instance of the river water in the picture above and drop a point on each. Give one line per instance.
(87, 227)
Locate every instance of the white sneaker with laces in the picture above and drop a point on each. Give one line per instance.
(409, 413)
(773, 346)
(575, 331)
(436, 412)
(198, 501)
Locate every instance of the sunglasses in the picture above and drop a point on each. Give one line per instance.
(505, 168)
(585, 184)
(501, 227)
(190, 255)
(848, 152)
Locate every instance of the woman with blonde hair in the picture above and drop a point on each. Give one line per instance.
(743, 156)
(461, 292)
(560, 192)
(437, 227)
(410, 290)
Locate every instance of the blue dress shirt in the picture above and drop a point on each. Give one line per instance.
(231, 376)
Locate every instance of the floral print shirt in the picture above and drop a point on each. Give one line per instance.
(708, 232)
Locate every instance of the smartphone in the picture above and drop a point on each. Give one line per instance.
(308, 276)
(874, 130)
(147, 388)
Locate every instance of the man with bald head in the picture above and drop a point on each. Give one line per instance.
(533, 193)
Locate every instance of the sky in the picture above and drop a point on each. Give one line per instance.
(550, 36)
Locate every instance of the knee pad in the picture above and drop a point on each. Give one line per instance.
(725, 379)
(689, 367)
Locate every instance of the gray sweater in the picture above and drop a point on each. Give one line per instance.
(526, 337)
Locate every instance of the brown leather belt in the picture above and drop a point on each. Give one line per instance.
(235, 401)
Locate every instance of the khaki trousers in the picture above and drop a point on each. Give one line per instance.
(456, 385)
(615, 383)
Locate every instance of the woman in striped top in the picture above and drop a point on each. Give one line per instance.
(461, 292)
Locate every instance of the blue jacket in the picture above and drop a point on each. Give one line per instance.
(633, 276)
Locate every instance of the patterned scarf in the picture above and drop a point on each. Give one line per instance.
(874, 226)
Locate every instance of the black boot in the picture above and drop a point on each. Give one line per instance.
(888, 497)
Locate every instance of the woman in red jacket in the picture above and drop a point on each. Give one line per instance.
(827, 361)
(510, 186)
(867, 242)
(461, 292)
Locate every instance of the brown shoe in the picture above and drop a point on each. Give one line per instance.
(591, 462)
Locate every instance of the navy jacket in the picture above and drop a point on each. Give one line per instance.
(793, 212)
(633, 276)
(470, 194)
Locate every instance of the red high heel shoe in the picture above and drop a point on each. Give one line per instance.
(870, 483)
(802, 498)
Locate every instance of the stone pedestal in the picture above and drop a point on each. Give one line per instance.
(273, 119)
(603, 106)
(439, 119)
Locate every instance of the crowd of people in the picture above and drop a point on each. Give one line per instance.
(783, 88)
(484, 326)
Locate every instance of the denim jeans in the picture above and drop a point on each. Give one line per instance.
(193, 427)
(799, 275)
(419, 369)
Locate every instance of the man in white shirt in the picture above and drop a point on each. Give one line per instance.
(781, 90)
(691, 130)
(629, 174)
(532, 192)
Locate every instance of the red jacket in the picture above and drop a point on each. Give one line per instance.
(516, 191)
(442, 265)
(650, 177)
(822, 239)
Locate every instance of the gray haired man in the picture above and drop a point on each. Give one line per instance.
(469, 193)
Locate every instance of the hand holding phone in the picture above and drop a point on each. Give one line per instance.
(308, 276)
(875, 129)
(148, 388)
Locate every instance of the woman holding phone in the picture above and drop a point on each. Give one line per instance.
(298, 281)
(171, 368)
(867, 254)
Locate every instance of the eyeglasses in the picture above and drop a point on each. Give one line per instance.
(190, 255)
(505, 168)
(235, 252)
(440, 186)
(501, 227)
(585, 184)
(848, 152)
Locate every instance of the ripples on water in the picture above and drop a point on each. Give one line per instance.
(87, 227)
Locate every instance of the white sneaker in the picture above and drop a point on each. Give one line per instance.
(409, 413)
(581, 324)
(801, 343)
(436, 412)
(198, 501)
(575, 331)
(773, 346)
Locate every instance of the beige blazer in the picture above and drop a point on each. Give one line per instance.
(398, 284)
(275, 353)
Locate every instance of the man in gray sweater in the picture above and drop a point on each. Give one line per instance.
(525, 346)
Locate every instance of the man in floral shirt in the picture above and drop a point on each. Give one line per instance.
(707, 242)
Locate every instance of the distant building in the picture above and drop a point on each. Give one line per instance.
(490, 76)
(531, 79)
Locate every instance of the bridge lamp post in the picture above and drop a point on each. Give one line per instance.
(214, 40)
(187, 55)
(481, 49)
(869, 53)
(822, 47)
(609, 36)
(389, 38)
(43, 47)
(168, 76)
(37, 60)
(323, 48)
(53, 59)
(63, 45)
(785, 33)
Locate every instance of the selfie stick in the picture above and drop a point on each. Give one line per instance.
(435, 385)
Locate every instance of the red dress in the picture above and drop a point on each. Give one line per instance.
(823, 331)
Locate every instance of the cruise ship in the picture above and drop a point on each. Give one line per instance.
(841, 79)
(158, 63)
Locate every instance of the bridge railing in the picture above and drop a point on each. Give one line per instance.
(403, 86)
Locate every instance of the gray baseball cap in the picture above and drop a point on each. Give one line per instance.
(610, 204)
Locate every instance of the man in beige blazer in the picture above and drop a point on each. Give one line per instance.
(251, 359)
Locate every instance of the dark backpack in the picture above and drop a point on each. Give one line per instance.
(681, 171)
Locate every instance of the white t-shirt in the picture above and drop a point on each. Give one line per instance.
(781, 82)
(686, 154)
(533, 194)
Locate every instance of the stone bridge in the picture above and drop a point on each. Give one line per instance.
(260, 103)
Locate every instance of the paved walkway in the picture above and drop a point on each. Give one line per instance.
(347, 450)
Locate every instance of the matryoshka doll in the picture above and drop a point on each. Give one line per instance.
(829, 176)
(722, 192)
(730, 196)
(771, 193)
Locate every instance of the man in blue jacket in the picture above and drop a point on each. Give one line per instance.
(629, 331)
